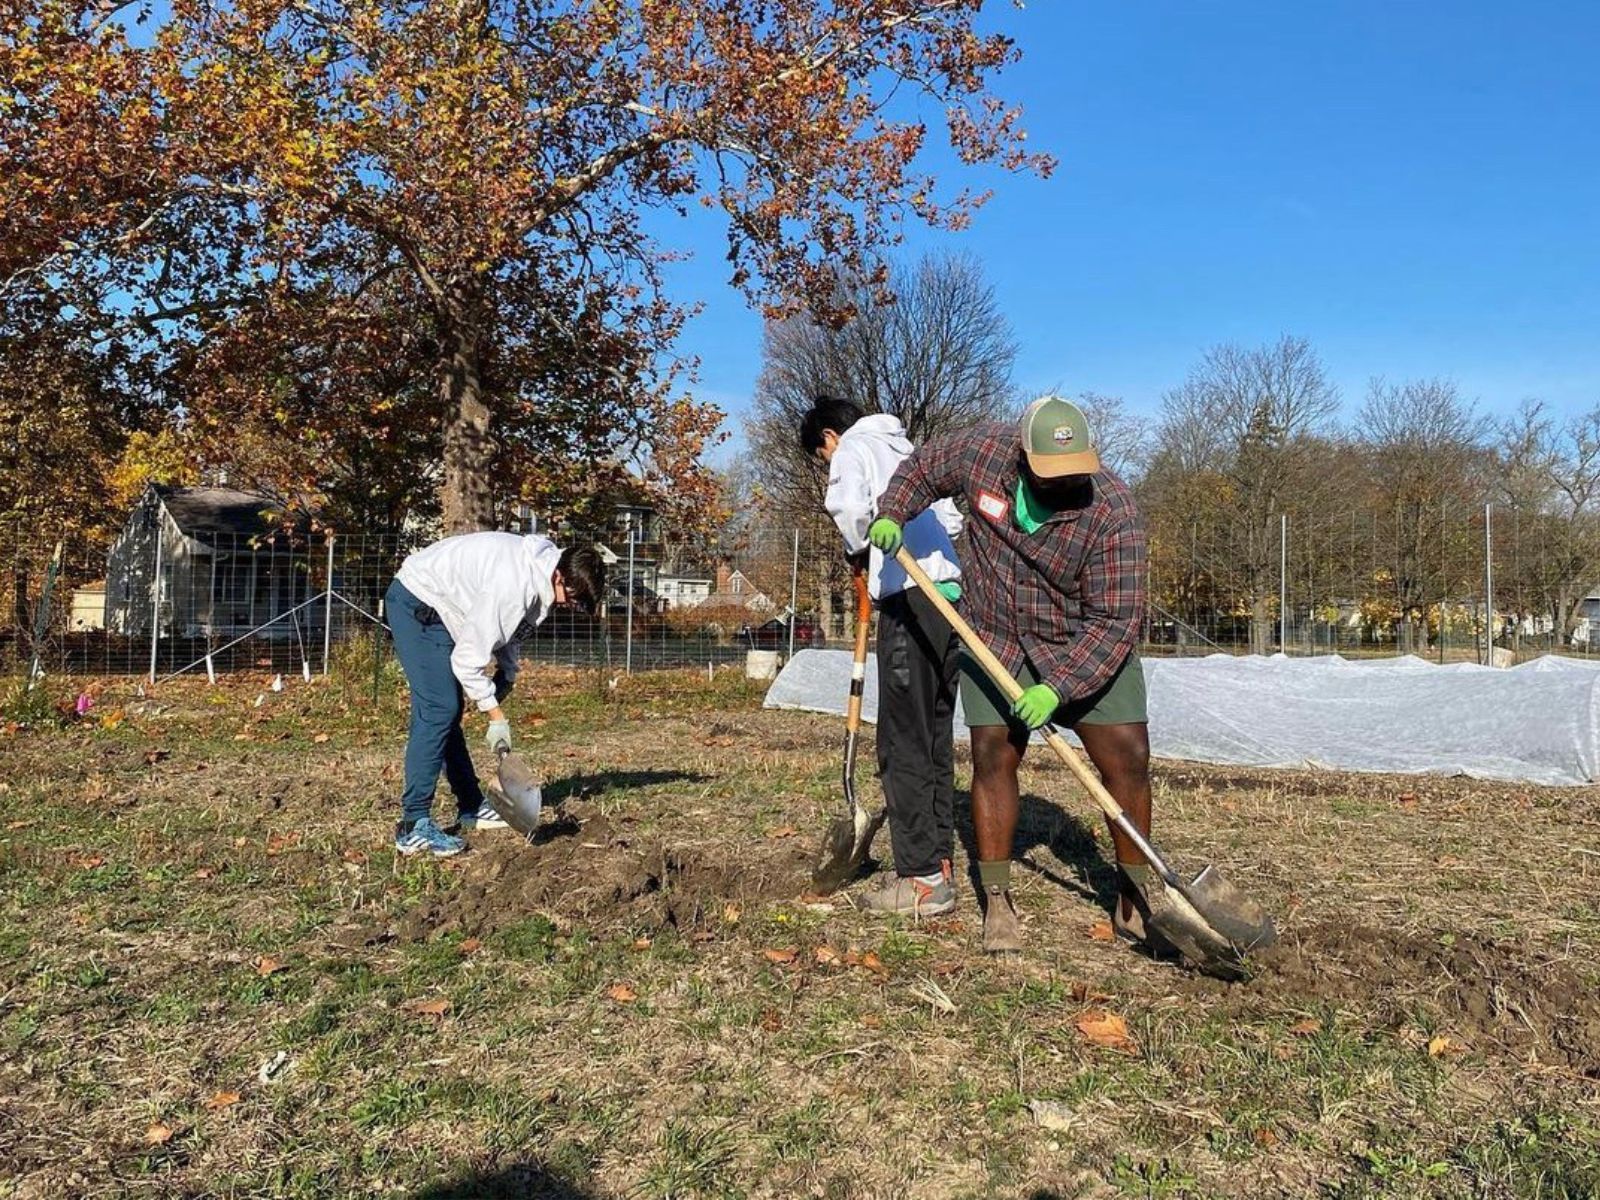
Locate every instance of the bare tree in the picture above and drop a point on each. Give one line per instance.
(938, 355)
(1422, 447)
(1242, 442)
(1549, 482)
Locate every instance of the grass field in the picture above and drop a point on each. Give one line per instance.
(217, 980)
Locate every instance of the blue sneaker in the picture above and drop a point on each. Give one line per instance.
(426, 836)
(484, 818)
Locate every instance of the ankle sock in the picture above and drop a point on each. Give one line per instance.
(995, 874)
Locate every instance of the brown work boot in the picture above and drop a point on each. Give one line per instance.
(1131, 913)
(1002, 928)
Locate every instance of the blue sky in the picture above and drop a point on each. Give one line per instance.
(1413, 187)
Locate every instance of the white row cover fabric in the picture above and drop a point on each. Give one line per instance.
(1537, 723)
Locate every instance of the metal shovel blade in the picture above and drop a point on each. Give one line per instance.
(844, 850)
(1242, 922)
(518, 798)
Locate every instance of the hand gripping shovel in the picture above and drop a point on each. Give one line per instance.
(845, 844)
(1209, 920)
(518, 798)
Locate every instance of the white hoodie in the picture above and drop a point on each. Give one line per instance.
(865, 458)
(484, 585)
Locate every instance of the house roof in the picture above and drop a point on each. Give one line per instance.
(197, 509)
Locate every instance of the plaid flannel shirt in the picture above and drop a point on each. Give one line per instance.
(1070, 597)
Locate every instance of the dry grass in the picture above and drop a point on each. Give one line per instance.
(623, 1017)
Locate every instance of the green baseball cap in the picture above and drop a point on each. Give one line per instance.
(1056, 439)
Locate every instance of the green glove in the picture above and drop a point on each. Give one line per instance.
(499, 735)
(886, 535)
(1036, 705)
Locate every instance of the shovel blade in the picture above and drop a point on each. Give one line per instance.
(1240, 921)
(843, 850)
(519, 799)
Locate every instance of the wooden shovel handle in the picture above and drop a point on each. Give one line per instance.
(858, 670)
(996, 670)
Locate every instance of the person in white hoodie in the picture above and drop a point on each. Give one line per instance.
(918, 652)
(455, 609)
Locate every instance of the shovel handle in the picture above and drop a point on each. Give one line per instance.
(1085, 774)
(858, 668)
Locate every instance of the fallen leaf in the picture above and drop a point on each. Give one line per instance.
(1266, 1138)
(702, 935)
(266, 965)
(1440, 1046)
(222, 1100)
(871, 1021)
(826, 955)
(770, 1020)
(782, 831)
(1106, 1029)
(351, 855)
(320, 738)
(622, 993)
(1407, 797)
(873, 963)
(780, 956)
(1053, 1114)
(642, 943)
(428, 1008)
(158, 1135)
(1101, 931)
(1306, 1028)
(112, 719)
(730, 914)
(471, 945)
(90, 861)
(1080, 993)
(152, 757)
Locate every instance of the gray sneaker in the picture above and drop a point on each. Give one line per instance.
(909, 896)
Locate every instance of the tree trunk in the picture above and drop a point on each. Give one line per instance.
(1261, 624)
(466, 491)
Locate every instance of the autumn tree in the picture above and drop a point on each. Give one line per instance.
(1242, 442)
(1421, 444)
(497, 156)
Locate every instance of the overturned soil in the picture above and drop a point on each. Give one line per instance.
(1488, 995)
(584, 867)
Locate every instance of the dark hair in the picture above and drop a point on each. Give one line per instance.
(827, 412)
(583, 572)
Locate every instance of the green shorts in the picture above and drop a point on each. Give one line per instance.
(1120, 702)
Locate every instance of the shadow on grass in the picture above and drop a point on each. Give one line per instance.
(583, 787)
(523, 1182)
(1079, 866)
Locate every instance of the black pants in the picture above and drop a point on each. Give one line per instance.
(918, 661)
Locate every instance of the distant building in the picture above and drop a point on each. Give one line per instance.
(684, 591)
(735, 589)
(227, 563)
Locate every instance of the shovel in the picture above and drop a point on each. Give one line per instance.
(845, 844)
(517, 798)
(1211, 922)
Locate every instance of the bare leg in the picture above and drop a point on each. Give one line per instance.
(1121, 753)
(996, 755)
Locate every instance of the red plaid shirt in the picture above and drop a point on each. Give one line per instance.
(1070, 597)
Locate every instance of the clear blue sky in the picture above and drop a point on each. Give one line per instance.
(1415, 187)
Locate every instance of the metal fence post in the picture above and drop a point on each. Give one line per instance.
(327, 608)
(1283, 584)
(794, 587)
(628, 653)
(155, 604)
(1488, 587)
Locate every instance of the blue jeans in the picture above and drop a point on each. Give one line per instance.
(436, 741)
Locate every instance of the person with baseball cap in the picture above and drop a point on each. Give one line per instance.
(1055, 584)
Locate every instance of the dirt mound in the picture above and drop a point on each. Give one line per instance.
(1491, 995)
(583, 867)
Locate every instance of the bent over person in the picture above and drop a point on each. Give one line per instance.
(1054, 583)
(918, 651)
(455, 609)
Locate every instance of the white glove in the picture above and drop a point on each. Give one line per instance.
(499, 735)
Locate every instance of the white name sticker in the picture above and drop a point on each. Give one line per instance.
(992, 506)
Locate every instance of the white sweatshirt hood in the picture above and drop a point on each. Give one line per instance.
(863, 463)
(484, 586)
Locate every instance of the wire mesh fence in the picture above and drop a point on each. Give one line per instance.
(166, 597)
